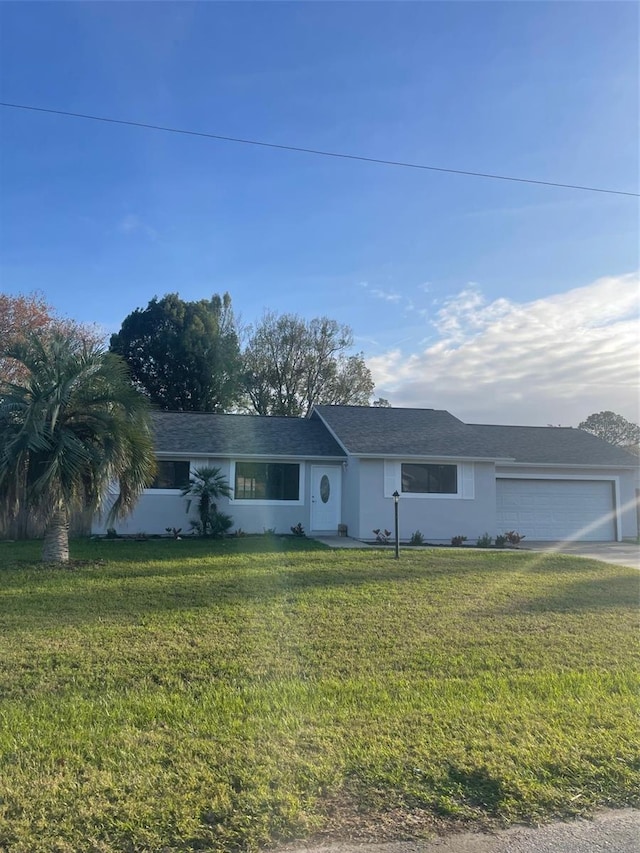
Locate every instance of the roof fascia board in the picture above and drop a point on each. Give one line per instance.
(603, 465)
(185, 454)
(429, 458)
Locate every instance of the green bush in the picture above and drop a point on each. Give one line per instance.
(219, 524)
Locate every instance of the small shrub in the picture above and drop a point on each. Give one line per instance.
(239, 533)
(457, 541)
(513, 537)
(382, 536)
(416, 538)
(484, 541)
(501, 541)
(268, 531)
(112, 533)
(174, 531)
(298, 530)
(219, 524)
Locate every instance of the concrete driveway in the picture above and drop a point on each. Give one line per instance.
(611, 831)
(621, 553)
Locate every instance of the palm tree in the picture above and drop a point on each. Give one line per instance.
(207, 485)
(72, 427)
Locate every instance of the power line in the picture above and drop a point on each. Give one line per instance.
(315, 151)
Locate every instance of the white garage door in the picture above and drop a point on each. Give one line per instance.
(557, 509)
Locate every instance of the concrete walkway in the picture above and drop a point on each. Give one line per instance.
(614, 831)
(621, 553)
(341, 542)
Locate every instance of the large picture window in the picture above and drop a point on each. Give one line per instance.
(429, 479)
(171, 474)
(267, 481)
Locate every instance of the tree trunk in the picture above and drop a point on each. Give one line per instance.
(56, 538)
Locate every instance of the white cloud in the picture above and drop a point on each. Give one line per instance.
(551, 360)
(386, 295)
(133, 224)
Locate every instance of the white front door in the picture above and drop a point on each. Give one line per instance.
(325, 497)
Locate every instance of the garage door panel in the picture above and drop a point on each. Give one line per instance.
(556, 509)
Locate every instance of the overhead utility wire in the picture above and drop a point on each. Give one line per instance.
(316, 151)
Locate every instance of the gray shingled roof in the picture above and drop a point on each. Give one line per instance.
(373, 431)
(433, 432)
(554, 445)
(239, 435)
(406, 432)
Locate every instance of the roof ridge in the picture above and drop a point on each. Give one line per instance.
(235, 415)
(524, 426)
(379, 408)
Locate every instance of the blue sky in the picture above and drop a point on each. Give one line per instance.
(441, 277)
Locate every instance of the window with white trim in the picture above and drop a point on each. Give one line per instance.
(421, 478)
(267, 481)
(171, 474)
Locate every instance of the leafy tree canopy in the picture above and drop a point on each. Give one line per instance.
(292, 364)
(612, 428)
(21, 316)
(184, 355)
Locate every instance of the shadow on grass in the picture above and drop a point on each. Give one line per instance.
(19, 554)
(128, 598)
(607, 592)
(476, 788)
(158, 577)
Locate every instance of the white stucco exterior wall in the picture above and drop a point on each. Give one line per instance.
(365, 505)
(158, 509)
(351, 498)
(437, 517)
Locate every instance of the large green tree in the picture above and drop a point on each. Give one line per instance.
(292, 364)
(72, 426)
(184, 355)
(612, 428)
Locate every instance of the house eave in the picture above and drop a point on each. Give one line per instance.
(577, 465)
(434, 456)
(168, 454)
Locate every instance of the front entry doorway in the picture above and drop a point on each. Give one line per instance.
(325, 497)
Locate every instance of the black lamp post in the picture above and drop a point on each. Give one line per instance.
(396, 498)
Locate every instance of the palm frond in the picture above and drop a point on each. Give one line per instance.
(72, 428)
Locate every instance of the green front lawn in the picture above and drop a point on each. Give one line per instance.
(176, 696)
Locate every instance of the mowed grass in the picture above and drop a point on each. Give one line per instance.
(177, 696)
